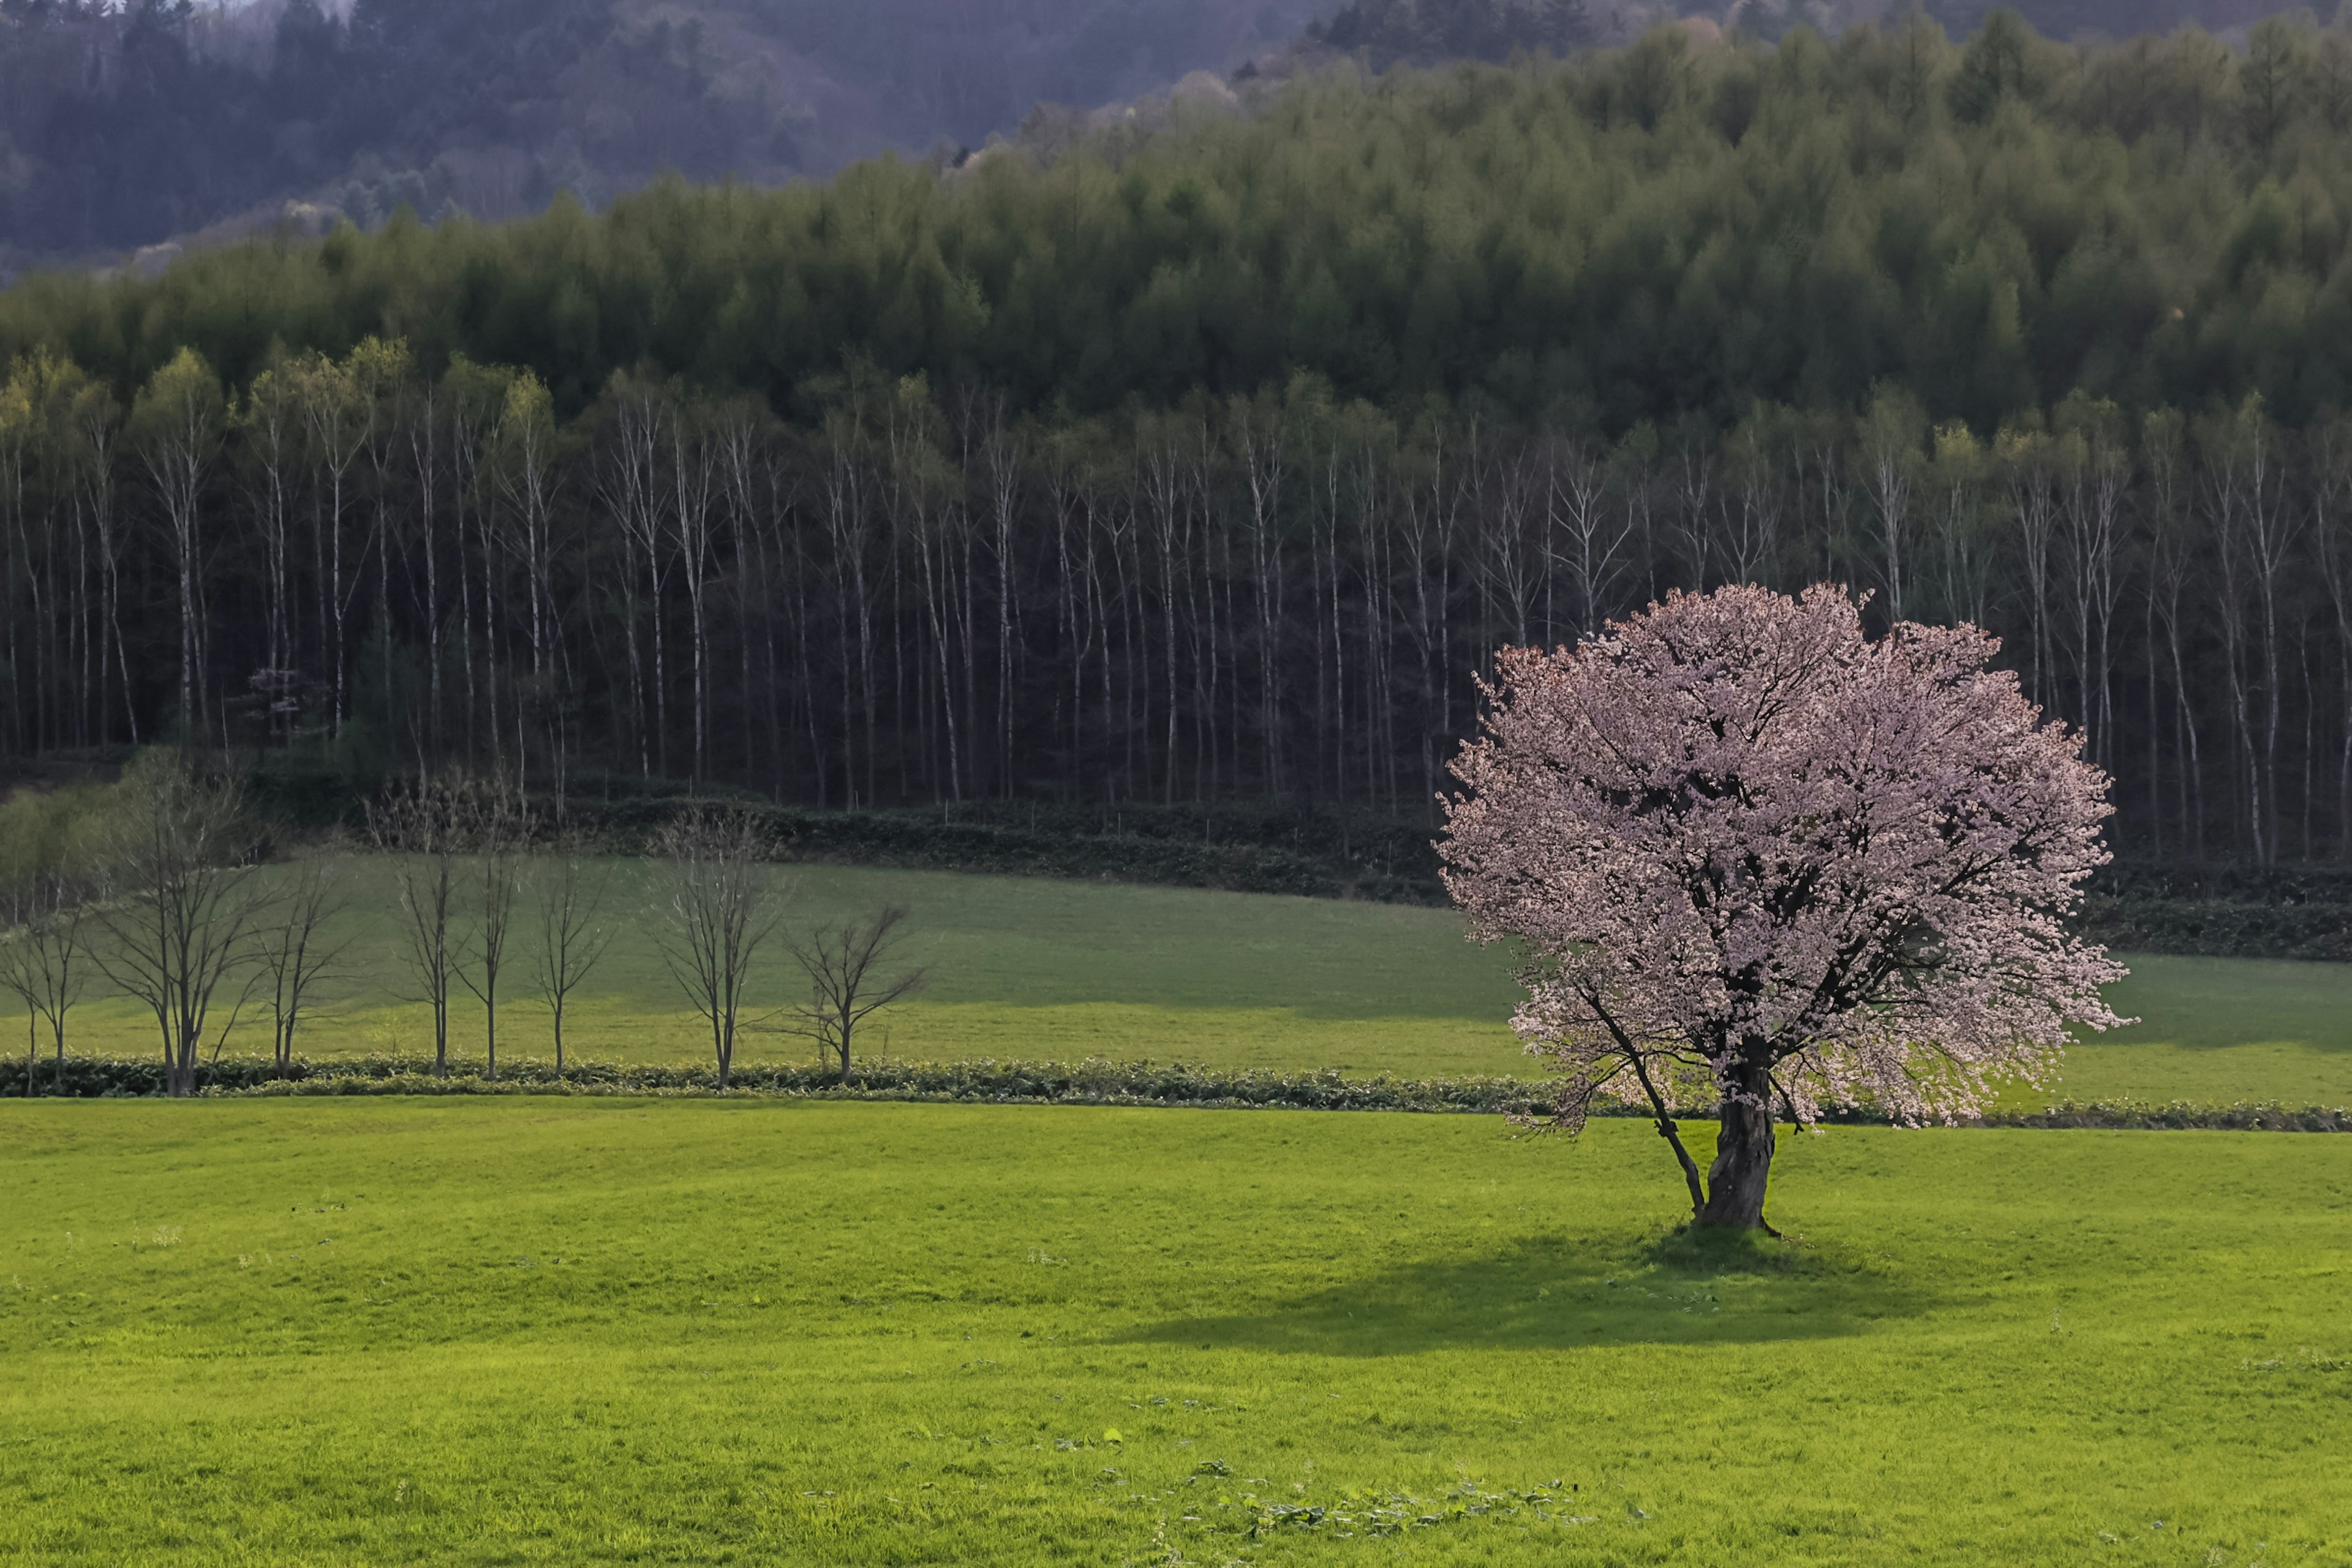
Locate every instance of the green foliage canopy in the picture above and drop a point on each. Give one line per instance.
(1626, 235)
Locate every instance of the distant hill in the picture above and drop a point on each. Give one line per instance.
(124, 124)
(1383, 33)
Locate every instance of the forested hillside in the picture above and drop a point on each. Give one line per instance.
(1216, 461)
(1383, 33)
(122, 124)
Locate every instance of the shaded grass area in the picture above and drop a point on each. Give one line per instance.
(539, 1332)
(1034, 968)
(1682, 1288)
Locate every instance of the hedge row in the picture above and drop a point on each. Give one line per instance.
(2219, 928)
(1094, 1082)
(1088, 1082)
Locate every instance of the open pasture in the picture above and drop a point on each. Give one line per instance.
(569, 1332)
(1038, 969)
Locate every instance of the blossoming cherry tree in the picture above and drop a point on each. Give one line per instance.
(1755, 855)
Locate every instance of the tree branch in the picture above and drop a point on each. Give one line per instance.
(1666, 1121)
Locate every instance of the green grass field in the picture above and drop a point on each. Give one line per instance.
(1055, 969)
(569, 1332)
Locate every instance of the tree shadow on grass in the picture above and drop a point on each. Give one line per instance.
(1557, 1293)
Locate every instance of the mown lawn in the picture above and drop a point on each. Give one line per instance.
(1054, 970)
(568, 1332)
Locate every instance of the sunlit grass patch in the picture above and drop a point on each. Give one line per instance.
(1035, 969)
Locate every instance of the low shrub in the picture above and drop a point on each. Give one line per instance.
(1091, 1082)
(2241, 1116)
(2219, 927)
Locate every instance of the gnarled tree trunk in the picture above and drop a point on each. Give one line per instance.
(1743, 1154)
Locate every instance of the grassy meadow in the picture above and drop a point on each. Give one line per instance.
(1056, 970)
(559, 1331)
(571, 1331)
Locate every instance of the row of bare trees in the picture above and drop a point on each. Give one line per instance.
(718, 913)
(171, 897)
(162, 896)
(921, 595)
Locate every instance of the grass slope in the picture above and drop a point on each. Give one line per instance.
(535, 1331)
(1037, 969)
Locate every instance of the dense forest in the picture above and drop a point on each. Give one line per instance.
(1216, 461)
(1383, 33)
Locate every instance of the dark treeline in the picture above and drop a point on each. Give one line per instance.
(932, 596)
(1217, 462)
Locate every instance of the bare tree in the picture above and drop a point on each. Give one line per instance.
(520, 456)
(1592, 532)
(187, 898)
(42, 955)
(2255, 528)
(2023, 455)
(2092, 471)
(294, 953)
(572, 936)
(714, 909)
(2176, 563)
(179, 419)
(1890, 435)
(497, 821)
(2331, 489)
(1751, 504)
(845, 965)
(46, 883)
(336, 418)
(416, 825)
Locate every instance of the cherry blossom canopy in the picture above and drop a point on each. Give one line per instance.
(1754, 854)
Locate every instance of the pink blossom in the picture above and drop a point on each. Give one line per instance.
(1753, 855)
